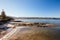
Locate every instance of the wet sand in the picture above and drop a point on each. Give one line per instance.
(37, 34)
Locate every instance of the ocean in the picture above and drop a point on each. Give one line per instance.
(40, 20)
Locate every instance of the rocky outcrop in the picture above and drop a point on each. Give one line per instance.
(34, 24)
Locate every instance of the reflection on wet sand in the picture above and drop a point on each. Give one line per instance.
(37, 34)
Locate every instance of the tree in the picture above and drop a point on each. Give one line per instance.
(3, 14)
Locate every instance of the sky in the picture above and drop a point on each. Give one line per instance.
(31, 8)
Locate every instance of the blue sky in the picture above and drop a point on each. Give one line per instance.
(31, 8)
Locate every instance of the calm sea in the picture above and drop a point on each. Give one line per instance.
(40, 20)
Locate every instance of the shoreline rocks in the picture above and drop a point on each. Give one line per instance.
(37, 24)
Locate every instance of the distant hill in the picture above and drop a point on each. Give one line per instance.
(35, 18)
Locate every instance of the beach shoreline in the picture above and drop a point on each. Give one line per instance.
(34, 24)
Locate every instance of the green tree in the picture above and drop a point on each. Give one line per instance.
(3, 14)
